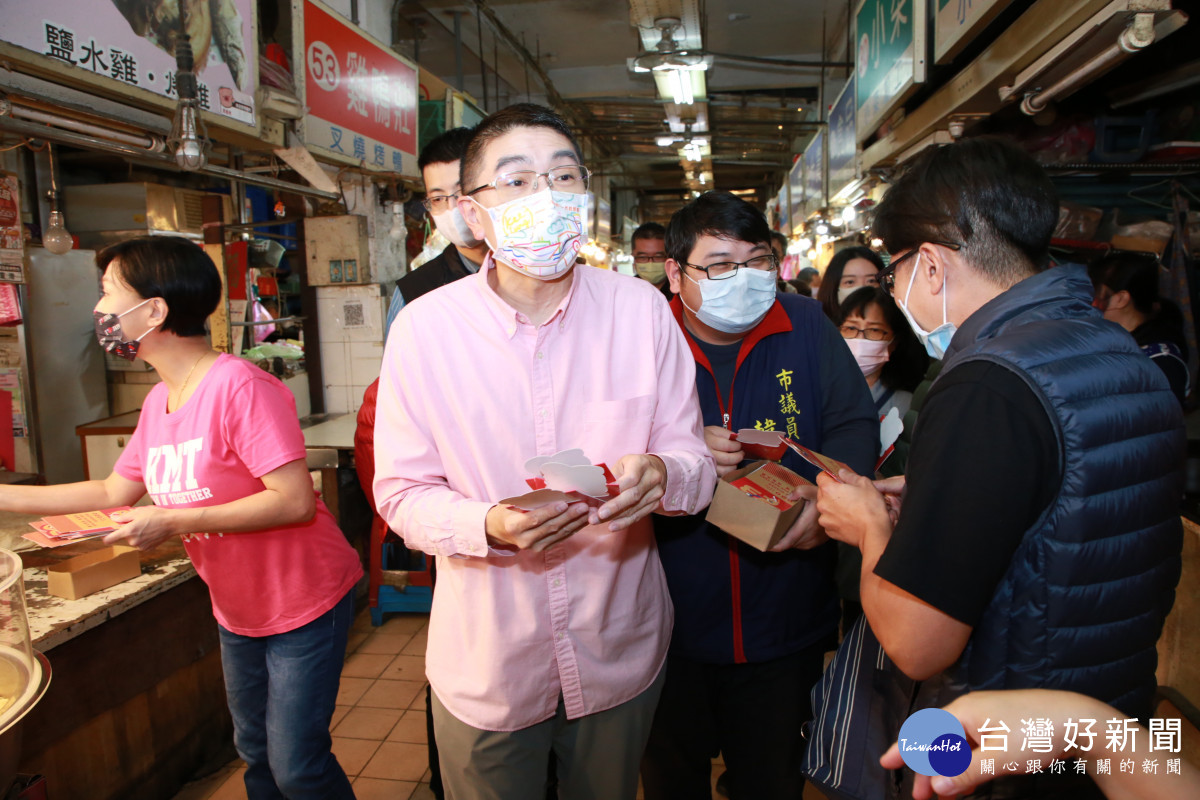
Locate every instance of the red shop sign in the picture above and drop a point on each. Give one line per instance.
(361, 97)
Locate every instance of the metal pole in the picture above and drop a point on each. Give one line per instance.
(458, 65)
(482, 61)
(157, 159)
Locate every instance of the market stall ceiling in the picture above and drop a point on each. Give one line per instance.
(753, 112)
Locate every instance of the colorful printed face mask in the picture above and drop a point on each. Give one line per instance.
(109, 334)
(539, 235)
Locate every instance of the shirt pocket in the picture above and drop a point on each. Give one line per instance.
(615, 428)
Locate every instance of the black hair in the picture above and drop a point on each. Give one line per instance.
(648, 230)
(173, 268)
(1138, 273)
(906, 365)
(493, 126)
(778, 238)
(446, 148)
(715, 213)
(984, 193)
(828, 290)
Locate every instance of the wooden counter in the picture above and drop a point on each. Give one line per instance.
(136, 704)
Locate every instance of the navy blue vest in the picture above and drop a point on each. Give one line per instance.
(1089, 586)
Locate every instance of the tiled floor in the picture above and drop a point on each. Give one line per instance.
(379, 725)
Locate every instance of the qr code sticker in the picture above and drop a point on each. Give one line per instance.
(353, 315)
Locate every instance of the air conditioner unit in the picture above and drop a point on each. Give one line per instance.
(100, 214)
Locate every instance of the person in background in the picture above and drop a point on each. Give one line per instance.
(751, 627)
(650, 256)
(849, 269)
(1060, 713)
(779, 246)
(812, 275)
(219, 449)
(884, 346)
(1037, 543)
(894, 363)
(1127, 293)
(439, 163)
(550, 625)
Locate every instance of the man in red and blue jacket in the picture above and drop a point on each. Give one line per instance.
(751, 628)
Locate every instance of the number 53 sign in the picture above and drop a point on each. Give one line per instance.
(361, 97)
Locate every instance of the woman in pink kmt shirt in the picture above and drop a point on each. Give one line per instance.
(219, 449)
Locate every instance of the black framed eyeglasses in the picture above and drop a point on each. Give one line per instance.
(521, 183)
(439, 203)
(887, 277)
(727, 269)
(870, 334)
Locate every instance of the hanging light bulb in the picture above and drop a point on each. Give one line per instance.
(55, 238)
(189, 137)
(397, 232)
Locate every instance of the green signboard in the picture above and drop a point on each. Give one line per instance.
(890, 57)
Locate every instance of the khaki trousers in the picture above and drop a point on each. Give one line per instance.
(597, 756)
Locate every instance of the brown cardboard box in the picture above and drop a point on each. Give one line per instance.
(750, 503)
(83, 575)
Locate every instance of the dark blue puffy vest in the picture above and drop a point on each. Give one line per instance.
(1083, 602)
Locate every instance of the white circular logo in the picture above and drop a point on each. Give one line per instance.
(323, 66)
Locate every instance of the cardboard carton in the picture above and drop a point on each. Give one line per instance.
(751, 503)
(83, 575)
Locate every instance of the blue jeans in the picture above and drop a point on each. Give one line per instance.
(281, 690)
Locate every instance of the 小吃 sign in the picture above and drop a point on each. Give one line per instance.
(890, 57)
(361, 96)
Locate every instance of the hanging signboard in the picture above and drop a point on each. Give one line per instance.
(794, 218)
(814, 173)
(843, 146)
(360, 96)
(890, 57)
(12, 240)
(128, 48)
(957, 22)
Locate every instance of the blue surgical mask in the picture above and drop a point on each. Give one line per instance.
(736, 304)
(937, 340)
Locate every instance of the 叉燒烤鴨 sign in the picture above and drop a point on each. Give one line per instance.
(361, 97)
(126, 47)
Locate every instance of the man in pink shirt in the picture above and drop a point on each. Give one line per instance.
(550, 627)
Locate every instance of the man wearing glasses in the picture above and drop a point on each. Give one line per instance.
(439, 164)
(550, 623)
(751, 628)
(1038, 542)
(649, 245)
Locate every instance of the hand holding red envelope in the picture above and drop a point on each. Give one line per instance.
(771, 445)
(568, 476)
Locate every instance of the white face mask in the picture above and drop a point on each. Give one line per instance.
(737, 304)
(937, 340)
(452, 225)
(844, 292)
(870, 356)
(539, 235)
